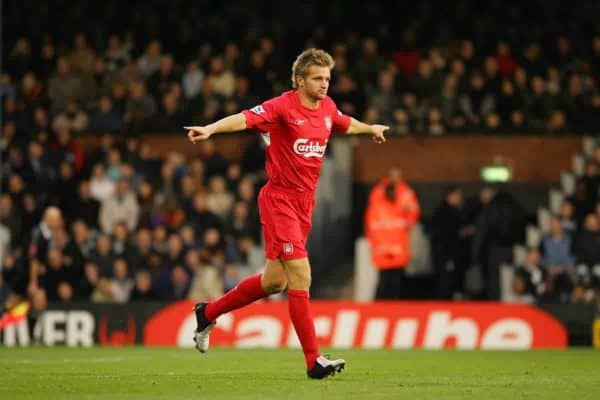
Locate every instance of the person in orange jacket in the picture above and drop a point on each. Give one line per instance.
(392, 210)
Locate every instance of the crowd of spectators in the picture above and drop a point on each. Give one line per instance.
(117, 223)
(435, 82)
(566, 266)
(472, 239)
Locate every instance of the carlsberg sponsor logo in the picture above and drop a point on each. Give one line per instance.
(309, 149)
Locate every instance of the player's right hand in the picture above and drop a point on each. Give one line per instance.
(198, 133)
(378, 133)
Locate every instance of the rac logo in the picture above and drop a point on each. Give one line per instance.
(308, 149)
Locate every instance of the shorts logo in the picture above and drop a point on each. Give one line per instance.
(266, 138)
(309, 149)
(258, 110)
(328, 123)
(288, 248)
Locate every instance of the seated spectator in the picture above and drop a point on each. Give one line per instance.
(556, 248)
(476, 103)
(582, 294)
(200, 217)
(180, 283)
(103, 256)
(520, 286)
(101, 187)
(149, 62)
(159, 240)
(170, 118)
(53, 275)
(507, 64)
(65, 291)
(212, 252)
(10, 218)
(192, 80)
(206, 283)
(87, 208)
(492, 123)
(218, 200)
(103, 292)
(121, 284)
(71, 118)
(42, 172)
(143, 287)
(87, 283)
(120, 206)
(508, 101)
(231, 277)
(567, 217)
(121, 246)
(558, 259)
(83, 237)
(105, 118)
(214, 162)
(64, 85)
(67, 149)
(116, 54)
(384, 97)
(534, 270)
(517, 124)
(175, 251)
(161, 82)
(220, 78)
(557, 123)
(435, 125)
(587, 245)
(114, 164)
(139, 109)
(400, 126)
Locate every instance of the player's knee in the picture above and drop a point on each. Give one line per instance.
(298, 273)
(300, 281)
(275, 286)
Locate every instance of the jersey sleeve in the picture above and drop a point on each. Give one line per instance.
(263, 116)
(341, 122)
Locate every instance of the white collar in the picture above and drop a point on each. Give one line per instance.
(46, 232)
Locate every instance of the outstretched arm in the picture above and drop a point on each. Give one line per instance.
(376, 130)
(232, 123)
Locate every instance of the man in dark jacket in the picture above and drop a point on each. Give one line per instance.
(449, 233)
(498, 229)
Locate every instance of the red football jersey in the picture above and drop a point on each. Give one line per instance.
(296, 138)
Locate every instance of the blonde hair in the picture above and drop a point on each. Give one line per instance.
(308, 58)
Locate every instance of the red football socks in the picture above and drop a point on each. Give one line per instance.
(246, 292)
(304, 325)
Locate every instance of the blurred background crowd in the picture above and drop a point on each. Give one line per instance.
(118, 223)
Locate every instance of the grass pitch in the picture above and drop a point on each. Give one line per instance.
(142, 373)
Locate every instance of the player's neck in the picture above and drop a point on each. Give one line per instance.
(308, 101)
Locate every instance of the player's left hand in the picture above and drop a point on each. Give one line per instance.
(378, 131)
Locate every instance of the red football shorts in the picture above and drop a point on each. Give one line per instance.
(286, 221)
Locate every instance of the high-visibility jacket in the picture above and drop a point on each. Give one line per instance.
(388, 224)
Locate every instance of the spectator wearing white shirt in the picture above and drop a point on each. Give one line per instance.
(122, 206)
(101, 186)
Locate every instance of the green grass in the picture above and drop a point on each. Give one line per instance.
(140, 373)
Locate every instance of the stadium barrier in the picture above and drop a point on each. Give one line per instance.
(532, 159)
(339, 324)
